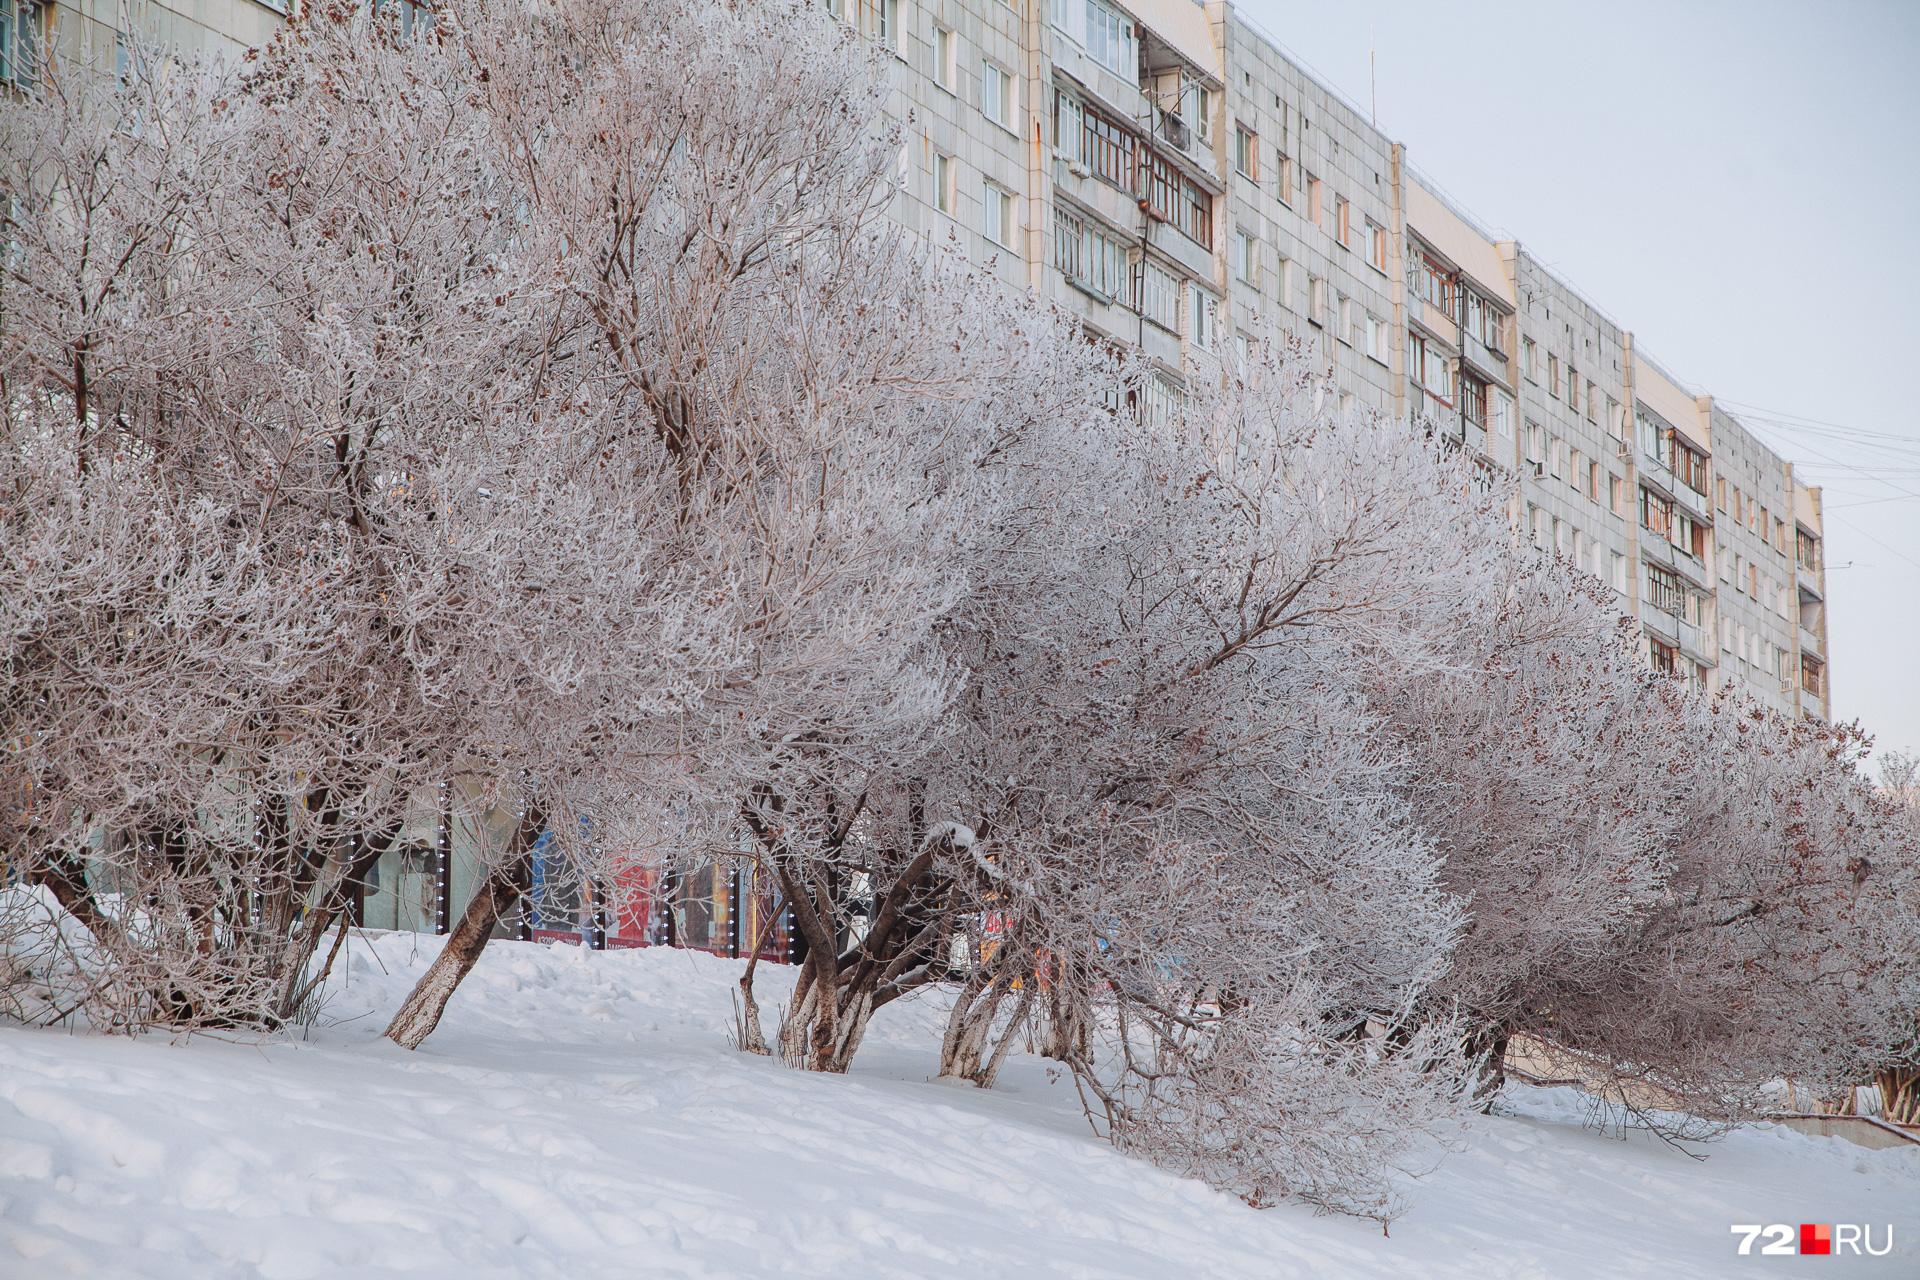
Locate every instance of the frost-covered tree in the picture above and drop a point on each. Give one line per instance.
(1536, 759)
(1896, 1070)
(296, 316)
(1781, 942)
(1190, 864)
(820, 403)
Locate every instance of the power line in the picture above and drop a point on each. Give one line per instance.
(1870, 502)
(1879, 541)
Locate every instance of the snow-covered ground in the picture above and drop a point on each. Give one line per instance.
(583, 1114)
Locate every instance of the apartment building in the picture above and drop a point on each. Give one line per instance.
(1312, 218)
(105, 33)
(1164, 170)
(1572, 364)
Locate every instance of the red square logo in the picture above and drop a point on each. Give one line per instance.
(1816, 1237)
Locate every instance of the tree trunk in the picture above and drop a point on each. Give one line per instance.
(420, 1012)
(1067, 1028)
(964, 1051)
(1490, 1045)
(66, 879)
(1899, 1094)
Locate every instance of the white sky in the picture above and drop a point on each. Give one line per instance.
(1737, 182)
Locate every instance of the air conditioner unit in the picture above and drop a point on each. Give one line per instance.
(1539, 468)
(1623, 448)
(1174, 129)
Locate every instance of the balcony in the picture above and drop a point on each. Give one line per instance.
(1810, 642)
(1489, 361)
(1119, 94)
(1437, 321)
(1695, 642)
(1813, 675)
(1807, 558)
(1197, 260)
(1697, 503)
(1690, 565)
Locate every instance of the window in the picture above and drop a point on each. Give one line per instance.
(1617, 495)
(1196, 109)
(1105, 264)
(1429, 369)
(1689, 535)
(1806, 549)
(1536, 446)
(1532, 359)
(946, 60)
(1246, 152)
(1204, 316)
(1180, 200)
(1344, 311)
(999, 215)
(1661, 656)
(1160, 296)
(1343, 222)
(1557, 460)
(1107, 149)
(1377, 340)
(1812, 671)
(1283, 178)
(1577, 472)
(1482, 320)
(1473, 399)
(1537, 526)
(1617, 571)
(1690, 467)
(1593, 400)
(1656, 439)
(1720, 493)
(878, 20)
(1316, 300)
(1246, 257)
(1069, 235)
(1376, 246)
(1573, 388)
(943, 170)
(1593, 481)
(1502, 407)
(1159, 402)
(1656, 513)
(1616, 419)
(1110, 39)
(21, 26)
(997, 95)
(412, 17)
(1553, 376)
(1431, 282)
(1313, 200)
(1089, 256)
(1069, 127)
